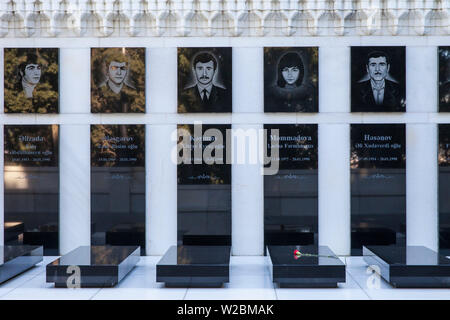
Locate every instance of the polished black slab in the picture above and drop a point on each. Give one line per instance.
(444, 188)
(410, 266)
(17, 259)
(291, 193)
(319, 267)
(378, 185)
(444, 79)
(31, 178)
(93, 266)
(203, 186)
(194, 266)
(118, 185)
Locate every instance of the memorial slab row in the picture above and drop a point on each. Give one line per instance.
(201, 257)
(291, 80)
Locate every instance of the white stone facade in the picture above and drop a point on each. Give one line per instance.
(197, 18)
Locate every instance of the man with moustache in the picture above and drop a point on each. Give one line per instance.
(205, 96)
(378, 94)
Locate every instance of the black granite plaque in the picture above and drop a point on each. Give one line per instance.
(118, 185)
(204, 80)
(31, 177)
(291, 195)
(378, 79)
(204, 186)
(444, 79)
(118, 80)
(31, 80)
(291, 79)
(378, 185)
(444, 188)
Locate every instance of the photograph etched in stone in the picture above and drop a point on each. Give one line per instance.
(31, 178)
(378, 185)
(378, 79)
(204, 80)
(444, 79)
(31, 78)
(118, 185)
(118, 80)
(291, 79)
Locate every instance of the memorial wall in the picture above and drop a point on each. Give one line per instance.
(91, 127)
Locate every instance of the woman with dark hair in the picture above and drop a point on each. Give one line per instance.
(291, 90)
(290, 70)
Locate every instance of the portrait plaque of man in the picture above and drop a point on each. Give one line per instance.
(204, 80)
(378, 79)
(444, 79)
(31, 80)
(291, 79)
(118, 80)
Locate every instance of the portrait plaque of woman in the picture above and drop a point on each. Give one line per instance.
(118, 80)
(31, 80)
(291, 79)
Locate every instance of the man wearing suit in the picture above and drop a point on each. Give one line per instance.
(204, 96)
(378, 94)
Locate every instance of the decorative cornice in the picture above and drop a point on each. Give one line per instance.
(205, 18)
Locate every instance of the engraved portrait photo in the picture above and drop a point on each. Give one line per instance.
(31, 80)
(378, 77)
(444, 79)
(118, 80)
(291, 79)
(204, 80)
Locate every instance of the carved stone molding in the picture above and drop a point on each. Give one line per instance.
(206, 18)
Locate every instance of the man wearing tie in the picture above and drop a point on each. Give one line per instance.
(205, 96)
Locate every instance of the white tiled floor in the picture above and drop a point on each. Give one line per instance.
(249, 279)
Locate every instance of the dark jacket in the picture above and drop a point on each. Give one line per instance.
(363, 100)
(189, 100)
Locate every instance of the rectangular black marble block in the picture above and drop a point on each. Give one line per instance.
(17, 259)
(93, 266)
(317, 268)
(410, 266)
(194, 266)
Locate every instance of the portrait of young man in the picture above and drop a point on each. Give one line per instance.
(291, 79)
(118, 80)
(378, 79)
(31, 80)
(444, 79)
(204, 80)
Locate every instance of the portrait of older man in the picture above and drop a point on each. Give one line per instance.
(203, 88)
(118, 80)
(378, 90)
(31, 80)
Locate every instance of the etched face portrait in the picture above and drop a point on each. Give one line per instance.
(117, 80)
(117, 71)
(290, 70)
(31, 80)
(378, 79)
(204, 80)
(290, 79)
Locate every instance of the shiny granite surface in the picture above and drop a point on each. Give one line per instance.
(410, 255)
(284, 255)
(196, 255)
(95, 255)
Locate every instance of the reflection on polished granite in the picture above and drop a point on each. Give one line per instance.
(194, 266)
(93, 266)
(317, 267)
(17, 259)
(410, 266)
